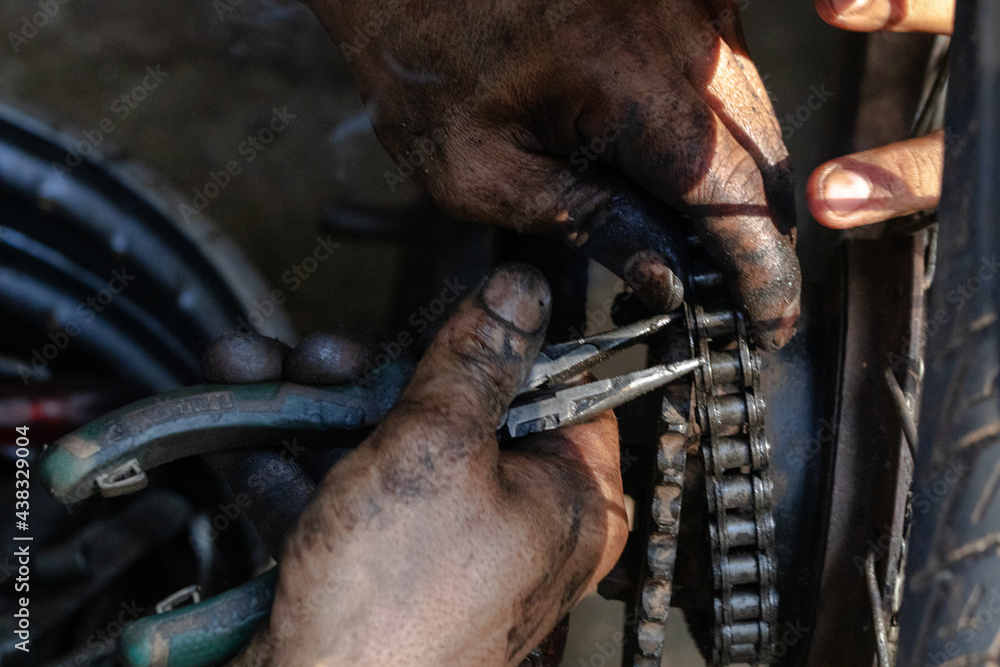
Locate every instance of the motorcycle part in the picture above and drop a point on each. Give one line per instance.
(725, 424)
(736, 454)
(950, 613)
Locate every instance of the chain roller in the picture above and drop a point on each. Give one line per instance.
(730, 412)
(727, 423)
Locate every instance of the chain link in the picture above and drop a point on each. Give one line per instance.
(726, 421)
(730, 411)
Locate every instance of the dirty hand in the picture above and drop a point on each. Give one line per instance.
(893, 180)
(428, 545)
(551, 117)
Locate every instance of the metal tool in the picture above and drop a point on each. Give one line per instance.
(208, 632)
(583, 402)
(112, 454)
(538, 410)
(558, 363)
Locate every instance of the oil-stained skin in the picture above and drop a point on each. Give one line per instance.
(428, 545)
(648, 273)
(540, 601)
(243, 358)
(541, 116)
(330, 357)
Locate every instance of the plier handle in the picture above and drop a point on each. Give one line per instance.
(111, 455)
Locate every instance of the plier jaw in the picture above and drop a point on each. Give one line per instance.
(559, 363)
(545, 403)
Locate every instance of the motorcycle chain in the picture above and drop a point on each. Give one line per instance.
(727, 421)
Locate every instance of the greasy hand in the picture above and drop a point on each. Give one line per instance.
(428, 545)
(552, 116)
(893, 180)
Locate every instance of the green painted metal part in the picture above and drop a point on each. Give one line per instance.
(202, 634)
(205, 418)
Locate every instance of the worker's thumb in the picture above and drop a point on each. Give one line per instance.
(479, 360)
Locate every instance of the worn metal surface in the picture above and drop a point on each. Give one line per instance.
(663, 523)
(723, 416)
(731, 414)
(580, 403)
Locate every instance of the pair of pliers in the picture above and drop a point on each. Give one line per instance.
(544, 403)
(111, 455)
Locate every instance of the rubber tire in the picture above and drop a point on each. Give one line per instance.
(951, 605)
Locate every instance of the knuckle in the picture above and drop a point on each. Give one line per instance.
(739, 176)
(461, 191)
(923, 170)
(481, 365)
(736, 180)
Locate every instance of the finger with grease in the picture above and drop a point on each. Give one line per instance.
(481, 357)
(643, 241)
(649, 275)
(332, 357)
(243, 358)
(695, 164)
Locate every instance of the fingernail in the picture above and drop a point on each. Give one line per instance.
(519, 295)
(841, 7)
(845, 191)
